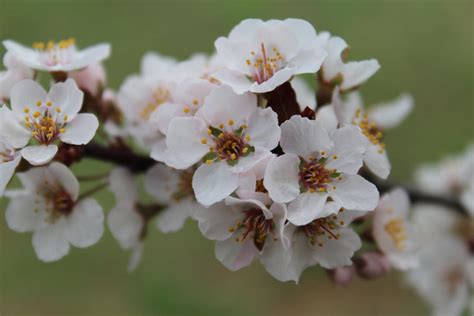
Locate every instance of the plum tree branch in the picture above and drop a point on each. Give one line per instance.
(125, 157)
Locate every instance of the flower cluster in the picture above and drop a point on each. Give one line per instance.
(236, 141)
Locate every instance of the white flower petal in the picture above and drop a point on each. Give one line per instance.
(376, 160)
(282, 178)
(25, 94)
(306, 207)
(183, 139)
(85, 225)
(279, 78)
(391, 114)
(125, 224)
(304, 94)
(337, 252)
(212, 183)
(136, 257)
(39, 154)
(161, 182)
(303, 137)
(123, 186)
(80, 130)
(174, 216)
(67, 96)
(7, 169)
(248, 162)
(326, 117)
(12, 129)
(235, 255)
(263, 128)
(357, 72)
(50, 243)
(215, 221)
(20, 213)
(238, 81)
(355, 193)
(64, 176)
(222, 105)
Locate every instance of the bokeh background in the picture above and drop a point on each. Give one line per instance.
(424, 47)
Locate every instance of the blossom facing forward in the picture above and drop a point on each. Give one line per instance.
(62, 56)
(50, 207)
(229, 135)
(245, 229)
(316, 166)
(45, 119)
(327, 241)
(258, 56)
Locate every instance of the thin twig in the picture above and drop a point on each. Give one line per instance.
(139, 163)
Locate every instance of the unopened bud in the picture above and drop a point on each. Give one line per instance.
(342, 275)
(371, 265)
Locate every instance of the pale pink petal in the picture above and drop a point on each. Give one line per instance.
(282, 178)
(80, 130)
(39, 154)
(212, 183)
(85, 225)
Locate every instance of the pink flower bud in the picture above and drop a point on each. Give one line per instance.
(91, 79)
(371, 265)
(342, 275)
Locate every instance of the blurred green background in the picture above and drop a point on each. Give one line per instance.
(424, 47)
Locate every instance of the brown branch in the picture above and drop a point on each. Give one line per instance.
(123, 156)
(139, 163)
(417, 196)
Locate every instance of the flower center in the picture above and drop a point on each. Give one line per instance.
(227, 146)
(321, 227)
(58, 201)
(160, 95)
(373, 133)
(315, 177)
(254, 226)
(264, 64)
(185, 186)
(395, 228)
(45, 125)
(52, 54)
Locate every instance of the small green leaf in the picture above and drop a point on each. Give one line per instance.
(335, 174)
(239, 131)
(231, 162)
(209, 156)
(215, 131)
(322, 159)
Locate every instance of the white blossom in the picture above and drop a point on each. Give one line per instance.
(372, 124)
(57, 57)
(258, 56)
(327, 241)
(245, 229)
(396, 237)
(452, 176)
(172, 188)
(443, 277)
(50, 207)
(45, 118)
(318, 165)
(230, 134)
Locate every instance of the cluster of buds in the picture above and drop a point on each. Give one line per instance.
(269, 167)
